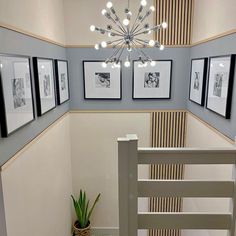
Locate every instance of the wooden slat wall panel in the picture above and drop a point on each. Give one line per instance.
(178, 14)
(168, 130)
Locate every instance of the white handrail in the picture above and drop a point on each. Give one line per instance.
(130, 188)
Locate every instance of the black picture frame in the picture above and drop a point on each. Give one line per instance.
(228, 104)
(101, 98)
(3, 110)
(204, 80)
(153, 98)
(37, 85)
(59, 102)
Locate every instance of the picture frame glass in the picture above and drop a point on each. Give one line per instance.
(46, 84)
(152, 82)
(197, 80)
(16, 92)
(218, 84)
(63, 81)
(101, 83)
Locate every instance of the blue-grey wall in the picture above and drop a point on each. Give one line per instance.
(222, 46)
(16, 43)
(180, 72)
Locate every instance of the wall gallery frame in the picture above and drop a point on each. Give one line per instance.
(16, 97)
(101, 83)
(44, 84)
(197, 86)
(62, 81)
(220, 84)
(152, 82)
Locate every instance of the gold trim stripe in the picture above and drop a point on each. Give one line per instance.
(168, 130)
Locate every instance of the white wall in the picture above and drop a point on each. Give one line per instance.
(213, 17)
(200, 135)
(44, 18)
(80, 14)
(37, 186)
(95, 157)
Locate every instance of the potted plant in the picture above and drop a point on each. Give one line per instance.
(81, 226)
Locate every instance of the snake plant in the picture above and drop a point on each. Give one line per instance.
(82, 210)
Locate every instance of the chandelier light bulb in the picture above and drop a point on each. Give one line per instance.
(127, 63)
(126, 22)
(143, 3)
(152, 63)
(162, 47)
(152, 8)
(164, 25)
(151, 43)
(104, 65)
(104, 44)
(96, 46)
(104, 11)
(92, 28)
(109, 5)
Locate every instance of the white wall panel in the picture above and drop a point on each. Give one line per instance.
(37, 186)
(213, 17)
(44, 18)
(95, 157)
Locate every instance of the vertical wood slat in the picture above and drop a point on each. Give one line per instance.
(178, 14)
(168, 130)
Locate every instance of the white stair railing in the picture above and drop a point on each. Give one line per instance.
(130, 188)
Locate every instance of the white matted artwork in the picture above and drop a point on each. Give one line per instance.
(100, 82)
(45, 85)
(62, 77)
(16, 99)
(220, 85)
(152, 82)
(198, 80)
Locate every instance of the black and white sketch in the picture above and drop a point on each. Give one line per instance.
(100, 82)
(18, 92)
(198, 80)
(220, 84)
(45, 85)
(16, 99)
(62, 80)
(152, 82)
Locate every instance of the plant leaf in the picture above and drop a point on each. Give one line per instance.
(91, 210)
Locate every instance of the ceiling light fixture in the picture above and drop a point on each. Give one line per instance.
(127, 35)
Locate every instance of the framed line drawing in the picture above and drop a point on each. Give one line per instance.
(197, 86)
(152, 82)
(44, 84)
(220, 84)
(101, 83)
(16, 96)
(62, 81)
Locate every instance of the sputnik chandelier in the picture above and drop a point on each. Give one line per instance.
(127, 36)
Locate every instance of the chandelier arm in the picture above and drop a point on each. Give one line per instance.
(141, 41)
(121, 27)
(117, 40)
(121, 52)
(135, 22)
(121, 41)
(141, 51)
(135, 27)
(115, 53)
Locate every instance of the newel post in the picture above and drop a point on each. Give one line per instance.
(128, 185)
